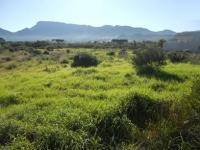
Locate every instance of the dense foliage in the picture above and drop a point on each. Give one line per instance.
(149, 59)
(84, 60)
(177, 57)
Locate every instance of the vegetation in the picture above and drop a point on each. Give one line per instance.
(153, 58)
(148, 62)
(161, 43)
(2, 41)
(111, 53)
(177, 57)
(47, 104)
(84, 60)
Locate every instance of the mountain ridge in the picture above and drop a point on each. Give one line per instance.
(47, 30)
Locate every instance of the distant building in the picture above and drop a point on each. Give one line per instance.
(58, 40)
(120, 41)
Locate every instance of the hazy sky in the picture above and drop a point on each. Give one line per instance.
(178, 15)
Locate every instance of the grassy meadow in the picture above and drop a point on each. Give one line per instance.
(47, 104)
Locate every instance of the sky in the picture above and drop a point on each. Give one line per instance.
(156, 15)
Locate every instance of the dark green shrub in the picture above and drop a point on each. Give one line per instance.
(40, 44)
(68, 51)
(6, 58)
(195, 58)
(46, 52)
(161, 43)
(84, 60)
(149, 58)
(8, 100)
(177, 57)
(194, 98)
(11, 66)
(64, 61)
(8, 131)
(111, 53)
(49, 48)
(142, 110)
(114, 129)
(12, 49)
(187, 137)
(34, 51)
(196, 89)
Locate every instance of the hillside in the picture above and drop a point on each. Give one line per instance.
(185, 41)
(46, 30)
(5, 34)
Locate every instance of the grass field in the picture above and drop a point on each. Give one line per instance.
(46, 104)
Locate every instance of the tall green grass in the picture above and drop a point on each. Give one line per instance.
(45, 104)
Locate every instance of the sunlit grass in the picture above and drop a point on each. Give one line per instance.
(53, 97)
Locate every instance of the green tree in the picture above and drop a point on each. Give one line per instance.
(161, 43)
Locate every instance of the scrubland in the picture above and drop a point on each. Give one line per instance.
(47, 104)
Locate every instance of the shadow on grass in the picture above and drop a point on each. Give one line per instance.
(151, 72)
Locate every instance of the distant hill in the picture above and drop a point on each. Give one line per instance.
(5, 33)
(46, 30)
(185, 41)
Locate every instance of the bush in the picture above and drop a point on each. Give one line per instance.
(40, 44)
(142, 110)
(114, 129)
(188, 137)
(111, 53)
(195, 58)
(46, 52)
(196, 89)
(64, 61)
(68, 51)
(6, 58)
(8, 100)
(34, 51)
(49, 48)
(84, 60)
(20, 144)
(149, 58)
(8, 130)
(10, 66)
(177, 57)
(194, 101)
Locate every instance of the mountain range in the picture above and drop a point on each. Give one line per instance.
(47, 30)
